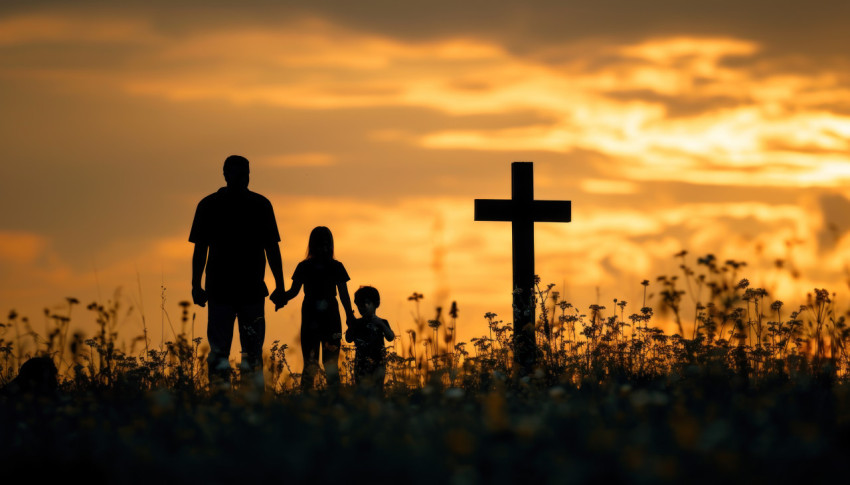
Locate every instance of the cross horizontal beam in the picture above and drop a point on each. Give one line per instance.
(522, 211)
(507, 210)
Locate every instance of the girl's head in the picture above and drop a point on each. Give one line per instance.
(321, 244)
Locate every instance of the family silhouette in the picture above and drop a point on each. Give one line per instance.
(235, 233)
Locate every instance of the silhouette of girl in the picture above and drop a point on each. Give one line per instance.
(321, 276)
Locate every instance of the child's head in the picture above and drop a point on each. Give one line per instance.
(321, 244)
(367, 300)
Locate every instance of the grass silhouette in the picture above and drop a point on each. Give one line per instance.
(744, 390)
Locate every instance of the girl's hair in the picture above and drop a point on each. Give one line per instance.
(319, 237)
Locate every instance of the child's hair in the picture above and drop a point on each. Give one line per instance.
(367, 293)
(320, 236)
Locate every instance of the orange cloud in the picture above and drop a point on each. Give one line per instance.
(310, 159)
(65, 28)
(601, 186)
(30, 267)
(770, 129)
(21, 248)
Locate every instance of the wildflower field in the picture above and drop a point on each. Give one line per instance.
(745, 390)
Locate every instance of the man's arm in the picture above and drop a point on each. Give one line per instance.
(276, 266)
(199, 262)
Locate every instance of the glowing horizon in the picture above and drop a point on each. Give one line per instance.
(117, 124)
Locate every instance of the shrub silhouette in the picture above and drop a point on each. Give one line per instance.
(742, 390)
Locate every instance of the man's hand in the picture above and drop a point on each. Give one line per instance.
(278, 297)
(199, 296)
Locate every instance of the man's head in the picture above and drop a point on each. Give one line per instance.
(236, 172)
(367, 300)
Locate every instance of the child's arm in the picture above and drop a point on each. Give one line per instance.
(297, 281)
(385, 326)
(293, 290)
(345, 299)
(281, 298)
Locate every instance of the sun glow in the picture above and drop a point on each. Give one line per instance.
(632, 131)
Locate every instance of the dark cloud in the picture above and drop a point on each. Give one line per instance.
(815, 28)
(680, 106)
(778, 145)
(67, 57)
(835, 210)
(838, 107)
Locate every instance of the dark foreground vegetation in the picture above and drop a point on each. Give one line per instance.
(743, 391)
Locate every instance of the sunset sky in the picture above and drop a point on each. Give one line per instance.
(717, 127)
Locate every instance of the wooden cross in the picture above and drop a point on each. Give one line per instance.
(522, 211)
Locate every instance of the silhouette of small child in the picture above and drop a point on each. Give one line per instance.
(368, 333)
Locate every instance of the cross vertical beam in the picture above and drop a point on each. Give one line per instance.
(522, 237)
(523, 211)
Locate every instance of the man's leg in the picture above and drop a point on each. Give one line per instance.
(252, 333)
(220, 335)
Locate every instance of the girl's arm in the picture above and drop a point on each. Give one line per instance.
(293, 290)
(345, 299)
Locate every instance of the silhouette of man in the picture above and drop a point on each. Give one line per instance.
(234, 233)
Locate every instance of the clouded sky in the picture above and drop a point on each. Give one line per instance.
(717, 127)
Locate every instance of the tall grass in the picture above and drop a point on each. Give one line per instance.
(734, 330)
(706, 379)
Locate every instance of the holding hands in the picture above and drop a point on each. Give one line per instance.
(279, 297)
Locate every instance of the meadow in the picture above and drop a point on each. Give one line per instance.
(743, 390)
